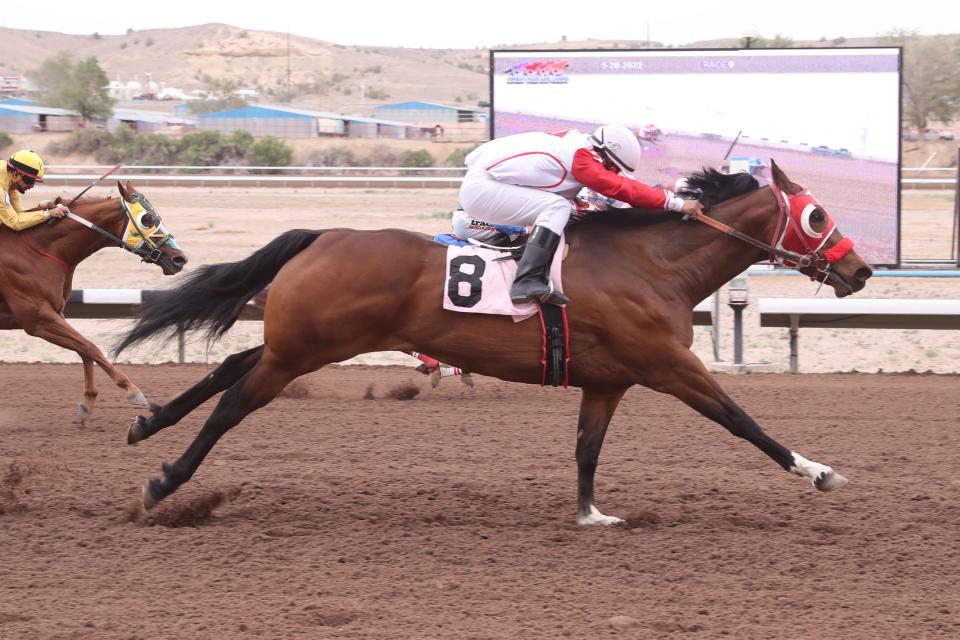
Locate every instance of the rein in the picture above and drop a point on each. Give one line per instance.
(713, 223)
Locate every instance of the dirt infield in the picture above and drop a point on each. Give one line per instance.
(339, 512)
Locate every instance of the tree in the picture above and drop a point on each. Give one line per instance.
(221, 95)
(78, 86)
(759, 42)
(931, 78)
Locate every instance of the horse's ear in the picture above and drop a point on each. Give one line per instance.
(124, 191)
(782, 181)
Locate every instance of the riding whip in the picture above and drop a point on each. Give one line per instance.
(732, 145)
(94, 183)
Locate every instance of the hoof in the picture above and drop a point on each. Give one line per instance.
(466, 379)
(150, 497)
(829, 480)
(594, 517)
(435, 377)
(137, 399)
(137, 432)
(83, 413)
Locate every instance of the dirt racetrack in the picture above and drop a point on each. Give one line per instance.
(338, 512)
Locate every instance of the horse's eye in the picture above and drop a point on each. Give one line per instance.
(148, 220)
(816, 216)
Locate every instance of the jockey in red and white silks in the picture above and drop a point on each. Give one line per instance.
(531, 179)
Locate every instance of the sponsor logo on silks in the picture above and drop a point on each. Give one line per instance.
(539, 72)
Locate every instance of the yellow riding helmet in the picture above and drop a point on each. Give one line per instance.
(28, 164)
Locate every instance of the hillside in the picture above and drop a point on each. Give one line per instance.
(323, 75)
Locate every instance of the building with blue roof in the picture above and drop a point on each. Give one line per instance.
(429, 113)
(291, 122)
(28, 118)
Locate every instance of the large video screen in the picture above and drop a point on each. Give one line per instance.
(829, 117)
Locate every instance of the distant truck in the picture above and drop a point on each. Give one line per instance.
(827, 151)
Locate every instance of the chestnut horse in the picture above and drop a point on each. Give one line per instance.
(37, 265)
(633, 279)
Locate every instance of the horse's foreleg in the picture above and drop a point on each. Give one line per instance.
(685, 377)
(255, 389)
(51, 327)
(223, 377)
(596, 410)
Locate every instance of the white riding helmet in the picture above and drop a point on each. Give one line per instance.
(620, 145)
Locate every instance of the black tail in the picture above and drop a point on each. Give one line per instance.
(213, 296)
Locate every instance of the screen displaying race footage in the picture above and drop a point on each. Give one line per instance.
(828, 117)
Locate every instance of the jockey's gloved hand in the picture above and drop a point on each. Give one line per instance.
(692, 207)
(58, 211)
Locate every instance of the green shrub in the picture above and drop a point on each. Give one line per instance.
(339, 156)
(457, 157)
(416, 158)
(382, 156)
(270, 152)
(236, 147)
(84, 141)
(201, 148)
(151, 149)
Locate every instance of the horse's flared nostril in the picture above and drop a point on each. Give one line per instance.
(863, 273)
(179, 261)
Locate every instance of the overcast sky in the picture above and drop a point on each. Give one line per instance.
(463, 24)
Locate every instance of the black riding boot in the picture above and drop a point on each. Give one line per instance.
(533, 279)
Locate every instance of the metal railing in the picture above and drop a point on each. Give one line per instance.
(350, 177)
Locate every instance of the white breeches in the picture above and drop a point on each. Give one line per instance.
(483, 197)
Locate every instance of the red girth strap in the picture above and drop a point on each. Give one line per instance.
(24, 240)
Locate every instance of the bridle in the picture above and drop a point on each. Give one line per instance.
(148, 249)
(816, 257)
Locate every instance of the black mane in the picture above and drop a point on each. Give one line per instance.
(711, 186)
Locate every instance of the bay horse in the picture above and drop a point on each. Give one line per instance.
(633, 279)
(37, 266)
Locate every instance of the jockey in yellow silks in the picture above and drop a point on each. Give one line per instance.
(17, 176)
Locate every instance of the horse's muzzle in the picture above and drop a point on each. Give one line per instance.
(860, 278)
(172, 264)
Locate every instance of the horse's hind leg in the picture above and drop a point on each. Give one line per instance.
(223, 377)
(255, 389)
(685, 377)
(596, 409)
(89, 389)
